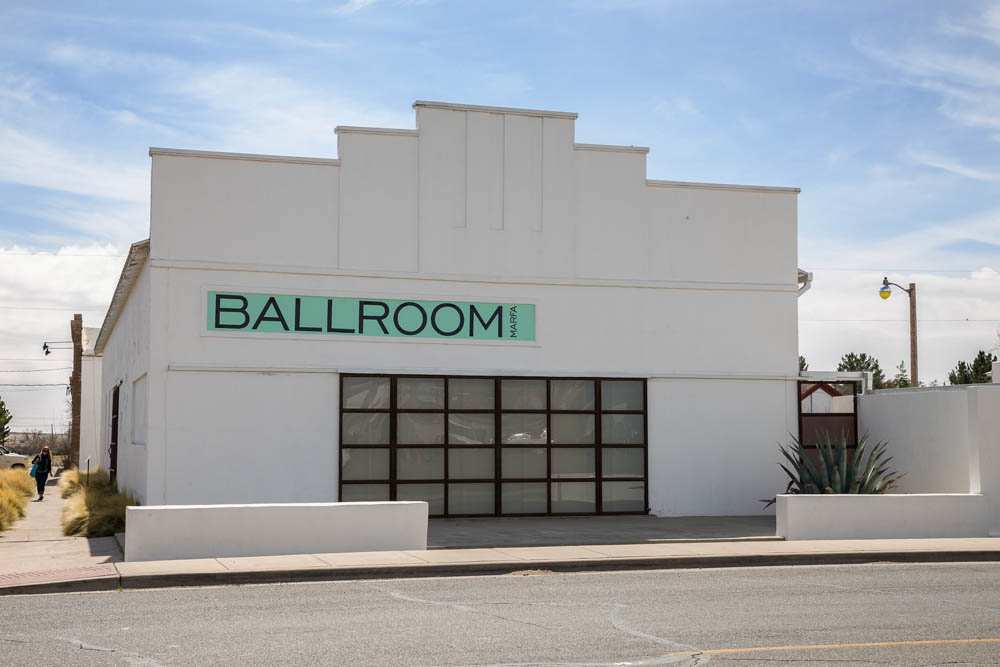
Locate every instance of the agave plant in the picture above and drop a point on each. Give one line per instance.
(836, 472)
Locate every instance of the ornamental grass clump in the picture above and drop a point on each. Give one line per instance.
(94, 507)
(16, 488)
(834, 471)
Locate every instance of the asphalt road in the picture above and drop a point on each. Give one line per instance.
(638, 618)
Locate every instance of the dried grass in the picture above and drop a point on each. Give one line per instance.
(94, 510)
(16, 487)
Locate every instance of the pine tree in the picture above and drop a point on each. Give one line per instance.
(862, 362)
(803, 364)
(901, 379)
(974, 372)
(5, 418)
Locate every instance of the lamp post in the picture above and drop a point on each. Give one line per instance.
(884, 292)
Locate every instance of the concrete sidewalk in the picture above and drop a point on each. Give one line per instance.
(493, 561)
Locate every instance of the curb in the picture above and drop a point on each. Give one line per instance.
(488, 568)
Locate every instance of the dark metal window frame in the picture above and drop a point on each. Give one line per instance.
(497, 480)
(820, 416)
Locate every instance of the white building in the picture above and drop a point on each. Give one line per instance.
(480, 313)
(91, 392)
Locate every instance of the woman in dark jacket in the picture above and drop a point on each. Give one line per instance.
(42, 472)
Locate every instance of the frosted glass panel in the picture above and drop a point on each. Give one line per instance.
(622, 429)
(471, 498)
(572, 394)
(623, 462)
(522, 394)
(623, 497)
(366, 428)
(574, 497)
(419, 463)
(573, 462)
(621, 394)
(365, 464)
(366, 393)
(466, 428)
(471, 463)
(432, 494)
(522, 429)
(356, 493)
(524, 463)
(420, 393)
(523, 498)
(572, 429)
(416, 428)
(470, 394)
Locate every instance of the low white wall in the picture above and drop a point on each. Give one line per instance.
(168, 532)
(858, 517)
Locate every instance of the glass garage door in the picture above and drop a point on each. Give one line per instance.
(485, 446)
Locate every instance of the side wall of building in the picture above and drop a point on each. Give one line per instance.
(91, 392)
(125, 364)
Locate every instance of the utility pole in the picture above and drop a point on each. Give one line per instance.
(913, 335)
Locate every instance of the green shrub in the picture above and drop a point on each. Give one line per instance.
(836, 471)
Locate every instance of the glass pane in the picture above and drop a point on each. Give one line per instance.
(471, 429)
(418, 428)
(522, 429)
(356, 493)
(621, 394)
(524, 463)
(366, 393)
(366, 428)
(471, 463)
(623, 462)
(573, 462)
(432, 494)
(419, 463)
(523, 498)
(574, 497)
(420, 393)
(471, 499)
(572, 394)
(470, 394)
(572, 429)
(827, 398)
(522, 394)
(365, 464)
(622, 429)
(623, 497)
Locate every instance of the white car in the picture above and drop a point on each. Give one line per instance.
(11, 460)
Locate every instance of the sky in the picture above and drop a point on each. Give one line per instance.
(886, 115)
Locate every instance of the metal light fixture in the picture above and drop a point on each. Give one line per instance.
(885, 291)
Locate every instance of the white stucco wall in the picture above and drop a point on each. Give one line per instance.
(930, 434)
(90, 410)
(629, 277)
(126, 359)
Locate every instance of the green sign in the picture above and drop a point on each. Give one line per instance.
(349, 316)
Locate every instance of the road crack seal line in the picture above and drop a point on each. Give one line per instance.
(692, 652)
(463, 608)
(85, 646)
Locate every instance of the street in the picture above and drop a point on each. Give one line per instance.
(919, 614)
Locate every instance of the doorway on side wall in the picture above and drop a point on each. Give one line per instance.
(113, 447)
(828, 407)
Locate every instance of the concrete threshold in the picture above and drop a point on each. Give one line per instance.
(496, 561)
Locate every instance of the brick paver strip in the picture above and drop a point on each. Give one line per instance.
(67, 574)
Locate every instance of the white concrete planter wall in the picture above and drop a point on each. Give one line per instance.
(167, 532)
(856, 517)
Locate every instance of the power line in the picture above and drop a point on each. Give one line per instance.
(57, 255)
(19, 384)
(36, 370)
(997, 320)
(64, 310)
(883, 270)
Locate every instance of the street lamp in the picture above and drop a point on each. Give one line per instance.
(885, 291)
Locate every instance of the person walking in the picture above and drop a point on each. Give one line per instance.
(44, 468)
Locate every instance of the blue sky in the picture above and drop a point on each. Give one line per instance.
(886, 114)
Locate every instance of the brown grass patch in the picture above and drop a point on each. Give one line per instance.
(16, 487)
(94, 507)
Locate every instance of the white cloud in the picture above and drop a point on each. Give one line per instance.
(39, 162)
(75, 279)
(953, 166)
(353, 6)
